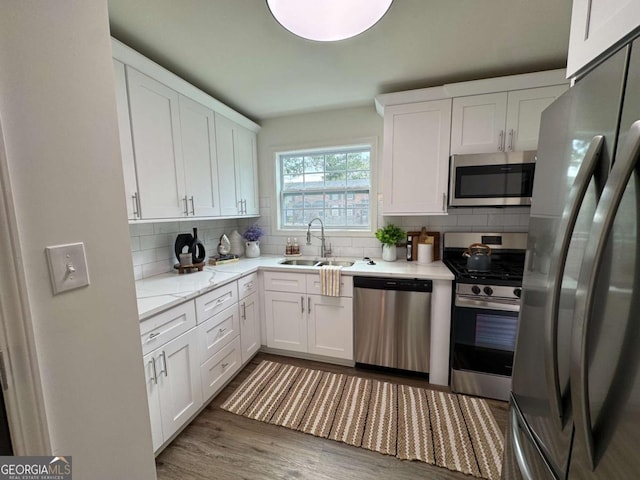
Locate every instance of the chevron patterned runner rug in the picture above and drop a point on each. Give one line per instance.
(448, 430)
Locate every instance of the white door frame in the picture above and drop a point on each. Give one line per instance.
(23, 396)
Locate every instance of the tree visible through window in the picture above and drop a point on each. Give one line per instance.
(333, 184)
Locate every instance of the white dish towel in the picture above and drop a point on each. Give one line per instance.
(330, 280)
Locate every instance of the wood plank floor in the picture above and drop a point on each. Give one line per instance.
(223, 446)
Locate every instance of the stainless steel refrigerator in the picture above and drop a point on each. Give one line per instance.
(575, 403)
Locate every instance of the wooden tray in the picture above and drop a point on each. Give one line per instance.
(189, 268)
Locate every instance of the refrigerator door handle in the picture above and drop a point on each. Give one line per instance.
(594, 253)
(517, 445)
(560, 252)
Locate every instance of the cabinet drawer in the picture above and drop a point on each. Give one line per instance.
(220, 368)
(209, 304)
(166, 326)
(285, 282)
(346, 285)
(247, 285)
(216, 332)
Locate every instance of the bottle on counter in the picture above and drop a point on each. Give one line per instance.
(289, 248)
(409, 248)
(296, 247)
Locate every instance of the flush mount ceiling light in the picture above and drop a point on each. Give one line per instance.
(328, 20)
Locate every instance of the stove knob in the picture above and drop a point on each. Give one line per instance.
(488, 291)
(517, 292)
(475, 289)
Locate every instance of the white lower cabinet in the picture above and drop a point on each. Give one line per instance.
(249, 325)
(286, 321)
(306, 322)
(220, 367)
(174, 390)
(193, 349)
(330, 326)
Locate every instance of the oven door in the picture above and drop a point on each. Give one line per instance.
(484, 335)
(492, 180)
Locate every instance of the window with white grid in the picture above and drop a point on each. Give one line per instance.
(333, 184)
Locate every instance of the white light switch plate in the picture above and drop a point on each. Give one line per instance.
(67, 267)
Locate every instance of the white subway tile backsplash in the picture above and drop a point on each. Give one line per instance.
(152, 243)
(156, 268)
(136, 229)
(143, 256)
(171, 227)
(137, 272)
(135, 244)
(473, 220)
(155, 241)
(504, 220)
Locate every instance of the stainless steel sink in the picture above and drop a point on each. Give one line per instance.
(300, 261)
(336, 263)
(316, 263)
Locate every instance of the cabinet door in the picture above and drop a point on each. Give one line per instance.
(151, 372)
(285, 315)
(416, 158)
(524, 108)
(126, 144)
(331, 326)
(155, 125)
(246, 159)
(226, 166)
(597, 25)
(250, 326)
(478, 123)
(199, 156)
(179, 381)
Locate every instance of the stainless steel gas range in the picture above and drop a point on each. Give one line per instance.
(486, 304)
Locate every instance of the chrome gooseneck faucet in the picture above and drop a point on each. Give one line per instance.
(324, 251)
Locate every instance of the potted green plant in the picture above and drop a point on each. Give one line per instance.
(389, 235)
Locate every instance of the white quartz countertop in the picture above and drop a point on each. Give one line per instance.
(164, 291)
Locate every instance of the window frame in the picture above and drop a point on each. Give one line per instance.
(370, 143)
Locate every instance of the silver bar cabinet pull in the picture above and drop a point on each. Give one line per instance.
(501, 141)
(511, 139)
(153, 367)
(193, 207)
(186, 206)
(164, 361)
(136, 209)
(301, 304)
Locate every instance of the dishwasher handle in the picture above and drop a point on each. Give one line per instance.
(401, 284)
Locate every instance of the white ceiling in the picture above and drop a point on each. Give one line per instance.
(235, 51)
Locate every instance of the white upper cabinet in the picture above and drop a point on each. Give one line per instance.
(237, 167)
(597, 25)
(498, 122)
(524, 108)
(229, 204)
(126, 143)
(184, 154)
(199, 156)
(155, 125)
(416, 158)
(246, 159)
(477, 123)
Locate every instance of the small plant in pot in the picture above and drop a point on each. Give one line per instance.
(252, 236)
(389, 236)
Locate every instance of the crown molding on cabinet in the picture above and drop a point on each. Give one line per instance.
(129, 56)
(474, 87)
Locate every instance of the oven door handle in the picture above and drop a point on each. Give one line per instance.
(493, 304)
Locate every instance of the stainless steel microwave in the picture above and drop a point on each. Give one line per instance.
(492, 179)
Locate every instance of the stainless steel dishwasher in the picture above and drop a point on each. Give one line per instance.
(393, 322)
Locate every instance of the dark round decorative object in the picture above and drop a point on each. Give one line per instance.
(197, 248)
(182, 240)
